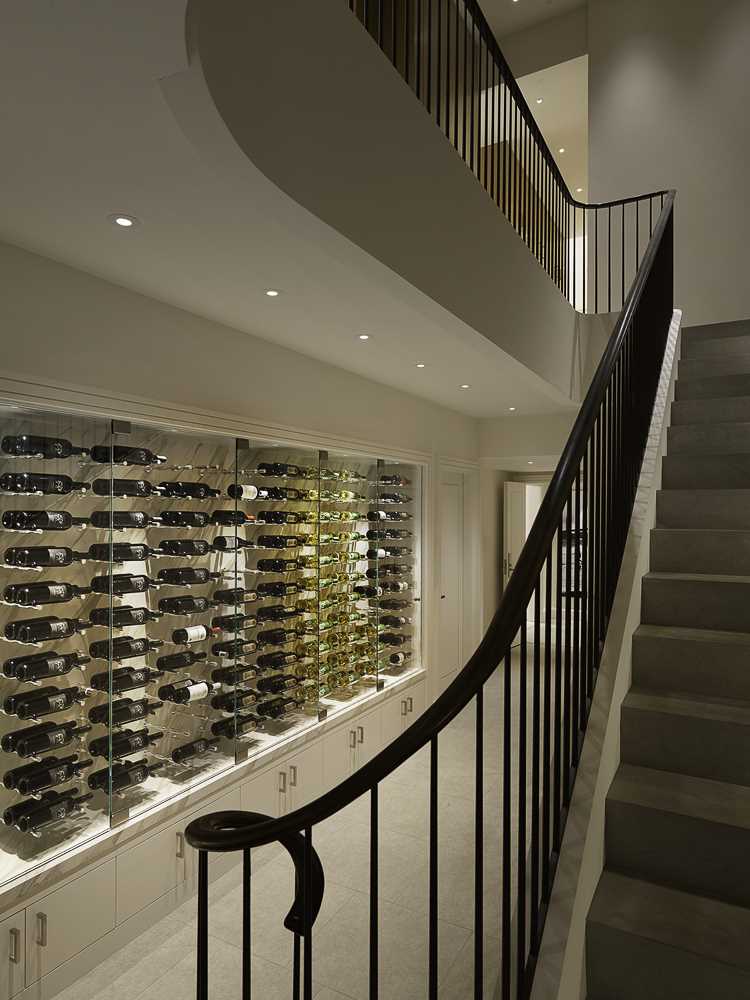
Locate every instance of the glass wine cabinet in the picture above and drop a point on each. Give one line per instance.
(174, 604)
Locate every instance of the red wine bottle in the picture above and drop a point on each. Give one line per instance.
(393, 639)
(282, 541)
(398, 659)
(138, 488)
(277, 589)
(53, 772)
(393, 586)
(45, 484)
(279, 565)
(186, 691)
(38, 666)
(233, 623)
(231, 543)
(185, 518)
(179, 661)
(230, 518)
(185, 604)
(388, 515)
(191, 634)
(234, 648)
(235, 674)
(123, 647)
(44, 736)
(43, 629)
(277, 636)
(121, 454)
(238, 725)
(394, 498)
(35, 446)
(123, 616)
(188, 491)
(394, 621)
(12, 702)
(277, 612)
(35, 595)
(232, 700)
(38, 704)
(13, 815)
(277, 683)
(125, 679)
(119, 552)
(41, 520)
(274, 661)
(124, 743)
(246, 492)
(276, 708)
(237, 595)
(122, 583)
(196, 748)
(184, 547)
(124, 775)
(363, 590)
(186, 576)
(120, 520)
(124, 710)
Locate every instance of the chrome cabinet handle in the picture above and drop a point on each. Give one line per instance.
(361, 733)
(352, 738)
(14, 952)
(41, 930)
(410, 704)
(180, 848)
(404, 707)
(292, 775)
(282, 782)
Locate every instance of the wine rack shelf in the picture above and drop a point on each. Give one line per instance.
(174, 604)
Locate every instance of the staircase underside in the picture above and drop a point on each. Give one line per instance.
(671, 915)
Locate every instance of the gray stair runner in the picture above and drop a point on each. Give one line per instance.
(671, 915)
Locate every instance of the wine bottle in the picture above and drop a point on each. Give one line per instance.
(186, 576)
(279, 565)
(121, 454)
(236, 595)
(179, 661)
(37, 594)
(230, 543)
(277, 683)
(277, 636)
(287, 516)
(184, 547)
(282, 541)
(391, 604)
(35, 705)
(234, 647)
(123, 647)
(238, 725)
(394, 621)
(38, 666)
(276, 612)
(41, 483)
(232, 700)
(195, 748)
(125, 679)
(41, 520)
(233, 623)
(12, 702)
(278, 589)
(245, 492)
(123, 616)
(393, 639)
(277, 707)
(383, 534)
(231, 518)
(44, 736)
(279, 469)
(124, 710)
(396, 569)
(187, 636)
(394, 586)
(124, 488)
(235, 674)
(188, 491)
(398, 659)
(35, 556)
(185, 518)
(185, 691)
(35, 446)
(124, 775)
(388, 515)
(124, 743)
(185, 604)
(363, 590)
(51, 811)
(12, 777)
(122, 583)
(54, 771)
(119, 552)
(394, 498)
(120, 520)
(393, 480)
(13, 814)
(43, 629)
(277, 660)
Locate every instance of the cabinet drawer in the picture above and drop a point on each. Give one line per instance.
(150, 870)
(12, 955)
(68, 920)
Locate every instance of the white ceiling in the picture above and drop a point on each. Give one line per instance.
(506, 16)
(89, 133)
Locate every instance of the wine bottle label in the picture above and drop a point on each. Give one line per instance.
(195, 633)
(197, 691)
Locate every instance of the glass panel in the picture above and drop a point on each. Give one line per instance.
(277, 489)
(170, 497)
(48, 464)
(395, 533)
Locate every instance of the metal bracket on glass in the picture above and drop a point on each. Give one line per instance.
(380, 684)
(243, 444)
(122, 427)
(241, 753)
(322, 714)
(122, 815)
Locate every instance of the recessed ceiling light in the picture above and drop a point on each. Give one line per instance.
(364, 336)
(561, 149)
(123, 221)
(272, 293)
(512, 409)
(579, 190)
(420, 364)
(540, 100)
(529, 463)
(465, 386)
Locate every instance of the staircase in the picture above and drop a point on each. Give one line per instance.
(671, 915)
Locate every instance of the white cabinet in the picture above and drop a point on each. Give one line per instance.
(401, 710)
(301, 778)
(148, 871)
(12, 955)
(67, 921)
(348, 747)
(262, 793)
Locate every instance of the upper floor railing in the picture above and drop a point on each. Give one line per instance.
(446, 52)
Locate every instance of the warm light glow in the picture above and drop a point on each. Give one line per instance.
(540, 100)
(561, 149)
(123, 221)
(364, 336)
(512, 409)
(579, 190)
(465, 386)
(529, 463)
(420, 364)
(271, 293)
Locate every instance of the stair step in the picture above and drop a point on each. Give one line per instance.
(695, 508)
(705, 472)
(697, 600)
(699, 735)
(701, 550)
(731, 438)
(712, 331)
(694, 660)
(716, 347)
(684, 832)
(704, 368)
(648, 942)
(732, 409)
(705, 386)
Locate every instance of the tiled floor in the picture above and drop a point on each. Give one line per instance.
(160, 965)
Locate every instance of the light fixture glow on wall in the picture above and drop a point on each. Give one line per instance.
(561, 149)
(465, 386)
(579, 190)
(540, 100)
(123, 221)
(272, 293)
(420, 364)
(512, 409)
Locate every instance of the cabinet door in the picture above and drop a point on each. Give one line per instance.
(394, 714)
(12, 955)
(68, 920)
(305, 773)
(339, 752)
(262, 793)
(415, 702)
(148, 871)
(369, 731)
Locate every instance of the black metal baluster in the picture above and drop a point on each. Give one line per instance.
(473, 166)
(487, 93)
(592, 548)
(505, 149)
(465, 88)
(584, 545)
(637, 236)
(567, 657)
(456, 75)
(429, 49)
(407, 39)
(556, 817)
(521, 842)
(296, 967)
(546, 727)
(505, 925)
(374, 914)
(494, 159)
(418, 49)
(622, 256)
(609, 258)
(433, 902)
(202, 946)
(381, 15)
(438, 63)
(650, 217)
(596, 260)
(394, 57)
(247, 967)
(535, 748)
(308, 935)
(479, 851)
(575, 725)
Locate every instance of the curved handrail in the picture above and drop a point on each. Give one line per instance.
(505, 622)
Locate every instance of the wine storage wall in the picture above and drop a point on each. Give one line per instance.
(175, 604)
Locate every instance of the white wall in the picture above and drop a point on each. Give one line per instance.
(668, 93)
(550, 43)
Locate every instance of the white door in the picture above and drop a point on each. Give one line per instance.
(451, 577)
(514, 526)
